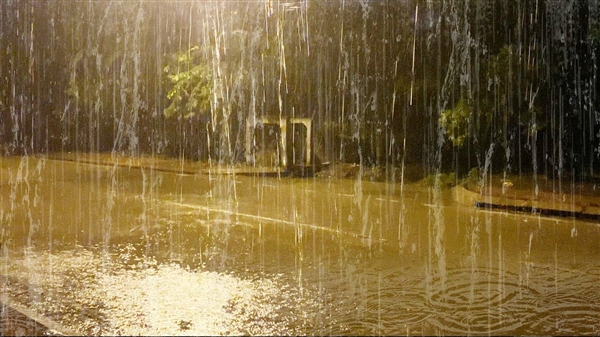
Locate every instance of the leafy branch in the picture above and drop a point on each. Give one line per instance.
(191, 85)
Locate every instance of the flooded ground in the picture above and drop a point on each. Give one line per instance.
(108, 250)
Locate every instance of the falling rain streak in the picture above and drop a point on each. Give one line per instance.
(345, 167)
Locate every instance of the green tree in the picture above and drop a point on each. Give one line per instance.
(456, 121)
(191, 85)
(499, 113)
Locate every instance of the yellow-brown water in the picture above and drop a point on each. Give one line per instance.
(118, 250)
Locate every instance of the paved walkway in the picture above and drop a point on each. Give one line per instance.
(518, 194)
(16, 320)
(163, 164)
(547, 197)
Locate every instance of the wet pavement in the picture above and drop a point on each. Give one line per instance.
(16, 320)
(544, 196)
(162, 164)
(363, 258)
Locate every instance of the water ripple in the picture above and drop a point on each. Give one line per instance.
(480, 301)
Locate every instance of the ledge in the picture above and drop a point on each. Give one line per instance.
(575, 206)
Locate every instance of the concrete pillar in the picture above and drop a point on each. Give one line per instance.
(307, 122)
(283, 142)
(250, 126)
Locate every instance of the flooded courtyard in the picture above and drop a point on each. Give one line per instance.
(299, 167)
(138, 251)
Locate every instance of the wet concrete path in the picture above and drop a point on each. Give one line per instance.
(131, 249)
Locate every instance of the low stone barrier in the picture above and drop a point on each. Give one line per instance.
(575, 206)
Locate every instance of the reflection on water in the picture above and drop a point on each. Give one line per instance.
(120, 294)
(281, 257)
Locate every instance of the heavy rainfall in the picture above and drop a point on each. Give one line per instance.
(260, 167)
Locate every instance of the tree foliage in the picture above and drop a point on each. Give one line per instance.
(456, 122)
(191, 85)
(395, 77)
